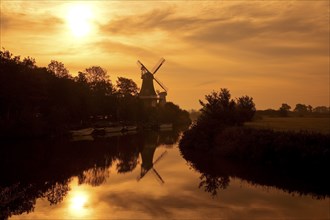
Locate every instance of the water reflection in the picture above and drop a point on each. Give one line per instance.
(65, 173)
(43, 169)
(79, 204)
(216, 174)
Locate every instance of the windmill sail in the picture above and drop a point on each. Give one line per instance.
(159, 177)
(142, 67)
(161, 84)
(158, 65)
(145, 171)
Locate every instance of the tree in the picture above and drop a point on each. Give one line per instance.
(245, 108)
(58, 69)
(172, 113)
(81, 78)
(126, 87)
(98, 80)
(284, 110)
(301, 109)
(321, 109)
(221, 110)
(96, 74)
(29, 62)
(309, 108)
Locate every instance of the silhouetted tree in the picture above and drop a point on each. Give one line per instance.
(29, 62)
(321, 109)
(96, 74)
(220, 109)
(245, 108)
(309, 108)
(58, 69)
(126, 87)
(172, 113)
(284, 110)
(81, 78)
(37, 101)
(212, 183)
(301, 109)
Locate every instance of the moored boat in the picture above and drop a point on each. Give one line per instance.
(166, 126)
(113, 129)
(130, 128)
(82, 132)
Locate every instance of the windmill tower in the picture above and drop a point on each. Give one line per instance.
(147, 92)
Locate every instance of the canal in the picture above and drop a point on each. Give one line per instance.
(133, 176)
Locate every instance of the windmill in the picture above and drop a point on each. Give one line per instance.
(147, 91)
(149, 165)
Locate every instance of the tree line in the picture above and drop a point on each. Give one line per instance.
(219, 134)
(302, 110)
(49, 100)
(285, 110)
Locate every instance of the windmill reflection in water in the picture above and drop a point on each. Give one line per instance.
(151, 143)
(148, 164)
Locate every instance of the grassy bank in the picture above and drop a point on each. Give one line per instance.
(292, 161)
(311, 124)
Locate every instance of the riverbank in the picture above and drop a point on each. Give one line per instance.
(311, 124)
(297, 157)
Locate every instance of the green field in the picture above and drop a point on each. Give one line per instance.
(292, 124)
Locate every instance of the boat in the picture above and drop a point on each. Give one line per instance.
(166, 127)
(82, 132)
(113, 129)
(130, 128)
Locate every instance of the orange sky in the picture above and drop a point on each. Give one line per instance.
(275, 51)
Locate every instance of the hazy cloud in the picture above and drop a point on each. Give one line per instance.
(27, 23)
(156, 206)
(164, 20)
(113, 47)
(258, 28)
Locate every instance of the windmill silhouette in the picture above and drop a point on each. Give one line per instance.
(147, 92)
(148, 165)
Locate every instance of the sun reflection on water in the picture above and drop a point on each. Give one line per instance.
(79, 204)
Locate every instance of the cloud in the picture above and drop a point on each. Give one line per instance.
(26, 23)
(111, 46)
(291, 29)
(164, 20)
(163, 206)
(206, 83)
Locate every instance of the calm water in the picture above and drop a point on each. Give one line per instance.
(136, 176)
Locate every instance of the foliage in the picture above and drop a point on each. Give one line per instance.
(126, 87)
(301, 109)
(58, 69)
(284, 110)
(283, 160)
(171, 113)
(37, 101)
(221, 110)
(37, 172)
(245, 109)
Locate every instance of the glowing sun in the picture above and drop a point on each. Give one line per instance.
(79, 203)
(79, 19)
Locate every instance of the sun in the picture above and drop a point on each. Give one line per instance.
(79, 204)
(79, 19)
